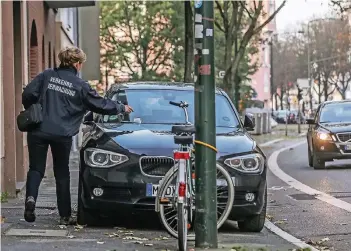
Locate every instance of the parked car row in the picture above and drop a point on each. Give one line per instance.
(292, 117)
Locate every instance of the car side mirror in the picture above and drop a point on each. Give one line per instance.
(310, 121)
(249, 122)
(88, 118)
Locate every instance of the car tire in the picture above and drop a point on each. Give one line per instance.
(310, 157)
(255, 223)
(318, 163)
(84, 217)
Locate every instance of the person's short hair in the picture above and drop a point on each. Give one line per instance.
(71, 55)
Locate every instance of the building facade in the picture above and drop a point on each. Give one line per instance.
(29, 44)
(261, 80)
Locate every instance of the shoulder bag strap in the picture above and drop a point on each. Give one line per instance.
(43, 92)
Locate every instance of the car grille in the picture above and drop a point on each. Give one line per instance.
(155, 166)
(344, 137)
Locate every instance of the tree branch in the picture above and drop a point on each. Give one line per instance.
(259, 28)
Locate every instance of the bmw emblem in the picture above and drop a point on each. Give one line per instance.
(198, 3)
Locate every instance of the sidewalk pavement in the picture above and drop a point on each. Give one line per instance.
(138, 234)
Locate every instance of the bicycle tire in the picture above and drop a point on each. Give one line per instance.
(166, 182)
(182, 226)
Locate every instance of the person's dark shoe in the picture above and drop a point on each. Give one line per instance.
(29, 208)
(67, 221)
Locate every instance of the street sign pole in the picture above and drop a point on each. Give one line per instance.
(205, 160)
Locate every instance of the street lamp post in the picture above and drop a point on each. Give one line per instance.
(205, 162)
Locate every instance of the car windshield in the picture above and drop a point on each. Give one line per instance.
(336, 113)
(153, 107)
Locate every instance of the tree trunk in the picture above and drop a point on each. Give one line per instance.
(343, 94)
(276, 101)
(189, 42)
(237, 81)
(281, 101)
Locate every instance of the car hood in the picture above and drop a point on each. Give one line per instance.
(157, 139)
(337, 127)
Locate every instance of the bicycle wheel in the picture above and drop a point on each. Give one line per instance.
(182, 226)
(225, 200)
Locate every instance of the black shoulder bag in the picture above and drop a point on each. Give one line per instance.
(32, 117)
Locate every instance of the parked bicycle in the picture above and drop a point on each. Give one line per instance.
(177, 211)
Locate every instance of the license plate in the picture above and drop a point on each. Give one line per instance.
(347, 147)
(152, 190)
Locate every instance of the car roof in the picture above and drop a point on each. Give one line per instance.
(157, 85)
(335, 102)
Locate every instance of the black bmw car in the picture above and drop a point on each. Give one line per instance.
(329, 133)
(122, 160)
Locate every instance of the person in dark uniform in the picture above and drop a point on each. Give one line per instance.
(65, 99)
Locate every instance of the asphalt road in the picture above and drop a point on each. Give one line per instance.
(303, 215)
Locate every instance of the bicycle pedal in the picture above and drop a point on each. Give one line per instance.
(164, 201)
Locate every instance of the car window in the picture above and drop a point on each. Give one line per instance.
(152, 106)
(335, 113)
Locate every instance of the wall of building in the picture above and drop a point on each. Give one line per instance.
(28, 34)
(2, 144)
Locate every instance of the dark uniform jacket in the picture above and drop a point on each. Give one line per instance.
(65, 99)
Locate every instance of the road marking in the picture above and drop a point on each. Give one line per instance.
(37, 232)
(275, 169)
(288, 237)
(270, 142)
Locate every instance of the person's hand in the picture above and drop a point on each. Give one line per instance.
(128, 109)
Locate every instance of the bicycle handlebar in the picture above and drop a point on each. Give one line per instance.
(180, 104)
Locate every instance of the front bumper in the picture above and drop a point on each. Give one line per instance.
(331, 150)
(129, 194)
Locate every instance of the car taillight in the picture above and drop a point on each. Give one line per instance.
(181, 155)
(181, 189)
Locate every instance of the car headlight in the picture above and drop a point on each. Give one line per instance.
(252, 163)
(101, 158)
(324, 136)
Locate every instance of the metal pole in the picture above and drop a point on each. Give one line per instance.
(298, 117)
(309, 65)
(205, 161)
(271, 57)
(287, 113)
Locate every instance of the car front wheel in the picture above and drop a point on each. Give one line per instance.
(310, 158)
(318, 163)
(255, 223)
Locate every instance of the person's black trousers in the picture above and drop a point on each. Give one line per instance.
(38, 144)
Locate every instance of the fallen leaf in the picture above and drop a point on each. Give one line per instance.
(280, 222)
(78, 227)
(135, 238)
(164, 238)
(325, 239)
(71, 236)
(2, 219)
(269, 217)
(100, 242)
(62, 226)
